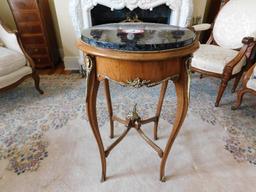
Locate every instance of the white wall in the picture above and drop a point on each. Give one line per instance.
(67, 34)
(6, 14)
(199, 8)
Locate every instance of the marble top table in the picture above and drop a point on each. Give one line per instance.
(138, 36)
(136, 55)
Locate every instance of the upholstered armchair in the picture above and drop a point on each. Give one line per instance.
(249, 86)
(15, 64)
(229, 49)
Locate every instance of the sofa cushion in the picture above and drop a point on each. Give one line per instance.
(213, 58)
(15, 76)
(10, 61)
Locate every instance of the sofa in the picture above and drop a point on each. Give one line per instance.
(15, 63)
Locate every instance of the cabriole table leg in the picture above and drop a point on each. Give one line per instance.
(109, 104)
(182, 92)
(159, 107)
(92, 90)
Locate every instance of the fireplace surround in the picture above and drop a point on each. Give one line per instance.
(82, 11)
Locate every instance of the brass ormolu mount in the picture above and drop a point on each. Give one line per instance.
(133, 120)
(133, 116)
(132, 19)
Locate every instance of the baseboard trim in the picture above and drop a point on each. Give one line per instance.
(71, 63)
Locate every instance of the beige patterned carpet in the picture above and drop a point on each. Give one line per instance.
(46, 143)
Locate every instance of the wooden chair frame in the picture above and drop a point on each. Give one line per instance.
(30, 61)
(249, 44)
(244, 89)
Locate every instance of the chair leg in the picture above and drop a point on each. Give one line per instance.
(239, 100)
(222, 88)
(36, 78)
(236, 82)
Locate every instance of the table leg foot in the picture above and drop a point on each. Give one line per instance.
(111, 136)
(103, 178)
(163, 179)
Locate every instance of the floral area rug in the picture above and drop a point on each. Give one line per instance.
(25, 115)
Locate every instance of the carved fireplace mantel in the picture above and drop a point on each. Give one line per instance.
(80, 11)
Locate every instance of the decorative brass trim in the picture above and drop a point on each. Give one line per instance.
(188, 69)
(138, 83)
(134, 115)
(134, 19)
(188, 64)
(88, 68)
(88, 63)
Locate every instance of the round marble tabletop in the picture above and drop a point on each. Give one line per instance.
(138, 36)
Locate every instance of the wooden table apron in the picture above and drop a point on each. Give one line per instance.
(137, 69)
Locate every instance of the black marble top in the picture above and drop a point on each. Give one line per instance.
(138, 36)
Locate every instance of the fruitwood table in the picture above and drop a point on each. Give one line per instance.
(137, 54)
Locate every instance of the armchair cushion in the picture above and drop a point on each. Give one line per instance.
(212, 58)
(10, 61)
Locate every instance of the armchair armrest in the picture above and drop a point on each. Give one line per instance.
(199, 28)
(202, 27)
(249, 73)
(247, 41)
